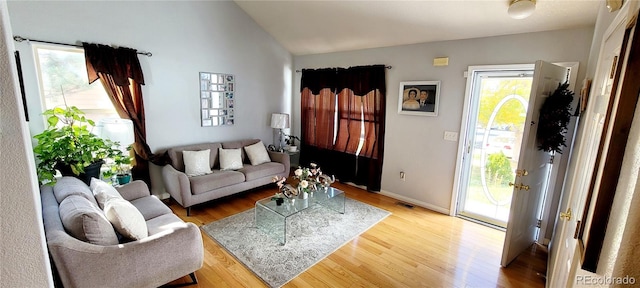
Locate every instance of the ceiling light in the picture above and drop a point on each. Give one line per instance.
(520, 9)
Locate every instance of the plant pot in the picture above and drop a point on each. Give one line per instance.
(91, 171)
(123, 179)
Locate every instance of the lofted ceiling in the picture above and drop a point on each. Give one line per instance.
(313, 27)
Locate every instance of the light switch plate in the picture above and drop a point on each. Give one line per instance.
(450, 136)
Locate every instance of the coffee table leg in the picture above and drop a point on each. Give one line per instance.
(335, 203)
(271, 223)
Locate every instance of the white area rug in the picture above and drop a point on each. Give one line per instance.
(312, 235)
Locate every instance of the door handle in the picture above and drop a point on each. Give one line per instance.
(566, 215)
(519, 186)
(522, 172)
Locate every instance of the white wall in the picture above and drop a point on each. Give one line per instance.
(415, 144)
(23, 261)
(185, 37)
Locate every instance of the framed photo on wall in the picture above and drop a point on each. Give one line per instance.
(419, 98)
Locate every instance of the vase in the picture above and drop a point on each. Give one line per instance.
(123, 179)
(302, 194)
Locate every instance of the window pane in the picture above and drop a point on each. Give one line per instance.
(63, 76)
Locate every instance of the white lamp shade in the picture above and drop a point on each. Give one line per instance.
(279, 120)
(118, 130)
(520, 9)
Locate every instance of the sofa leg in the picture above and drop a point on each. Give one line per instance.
(188, 211)
(194, 281)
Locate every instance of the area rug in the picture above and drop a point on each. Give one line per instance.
(312, 235)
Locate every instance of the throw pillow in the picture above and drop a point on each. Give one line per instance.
(230, 159)
(84, 221)
(103, 191)
(257, 153)
(196, 163)
(67, 186)
(126, 218)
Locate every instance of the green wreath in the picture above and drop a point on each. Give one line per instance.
(554, 117)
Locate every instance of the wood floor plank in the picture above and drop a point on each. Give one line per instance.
(413, 247)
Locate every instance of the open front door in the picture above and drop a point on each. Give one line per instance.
(532, 173)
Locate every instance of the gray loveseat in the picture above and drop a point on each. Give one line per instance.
(188, 191)
(172, 250)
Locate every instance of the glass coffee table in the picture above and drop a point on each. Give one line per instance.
(272, 219)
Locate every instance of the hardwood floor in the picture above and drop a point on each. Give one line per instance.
(413, 247)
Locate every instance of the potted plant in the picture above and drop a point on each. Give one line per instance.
(120, 167)
(291, 142)
(67, 145)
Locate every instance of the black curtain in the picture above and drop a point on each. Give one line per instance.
(359, 93)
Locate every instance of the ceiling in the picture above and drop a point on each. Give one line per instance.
(313, 27)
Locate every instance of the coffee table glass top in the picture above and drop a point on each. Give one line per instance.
(272, 218)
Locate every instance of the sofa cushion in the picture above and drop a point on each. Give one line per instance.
(85, 221)
(151, 207)
(164, 223)
(66, 186)
(206, 183)
(230, 159)
(257, 153)
(175, 154)
(103, 191)
(125, 218)
(196, 162)
(262, 170)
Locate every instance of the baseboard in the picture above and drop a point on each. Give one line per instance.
(415, 202)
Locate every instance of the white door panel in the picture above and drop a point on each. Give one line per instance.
(525, 205)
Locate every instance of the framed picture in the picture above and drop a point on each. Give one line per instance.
(419, 98)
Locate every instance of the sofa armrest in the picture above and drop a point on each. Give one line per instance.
(177, 184)
(281, 158)
(134, 190)
(174, 253)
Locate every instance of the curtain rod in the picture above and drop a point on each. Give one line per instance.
(388, 67)
(20, 39)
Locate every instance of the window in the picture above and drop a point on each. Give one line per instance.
(62, 75)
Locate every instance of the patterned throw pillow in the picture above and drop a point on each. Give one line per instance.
(230, 159)
(196, 163)
(257, 153)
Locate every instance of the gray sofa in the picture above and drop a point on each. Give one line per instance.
(172, 250)
(188, 191)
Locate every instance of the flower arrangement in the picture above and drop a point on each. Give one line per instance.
(309, 180)
(307, 177)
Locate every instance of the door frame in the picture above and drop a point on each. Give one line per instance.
(558, 172)
(464, 126)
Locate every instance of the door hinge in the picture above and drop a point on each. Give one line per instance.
(539, 223)
(577, 232)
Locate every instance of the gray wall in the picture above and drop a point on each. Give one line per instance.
(185, 38)
(23, 258)
(415, 144)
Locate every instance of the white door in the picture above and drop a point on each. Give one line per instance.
(582, 162)
(529, 185)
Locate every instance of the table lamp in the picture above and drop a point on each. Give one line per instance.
(280, 121)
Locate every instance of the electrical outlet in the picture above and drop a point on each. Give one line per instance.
(450, 136)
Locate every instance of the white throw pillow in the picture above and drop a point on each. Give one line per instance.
(103, 191)
(196, 163)
(126, 218)
(257, 153)
(230, 159)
